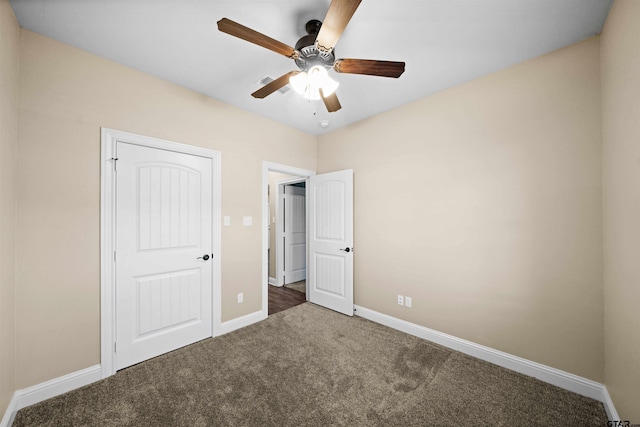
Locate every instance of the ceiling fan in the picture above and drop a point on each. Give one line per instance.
(314, 55)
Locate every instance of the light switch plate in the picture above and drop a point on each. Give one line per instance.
(247, 220)
(227, 221)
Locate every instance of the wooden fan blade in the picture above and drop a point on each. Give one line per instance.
(331, 102)
(273, 86)
(336, 20)
(245, 33)
(369, 67)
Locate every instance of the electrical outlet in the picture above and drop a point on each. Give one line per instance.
(400, 300)
(407, 301)
(240, 298)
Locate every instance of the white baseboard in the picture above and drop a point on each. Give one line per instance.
(10, 413)
(562, 379)
(608, 405)
(241, 322)
(48, 389)
(273, 281)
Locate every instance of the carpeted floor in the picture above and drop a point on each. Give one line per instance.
(309, 366)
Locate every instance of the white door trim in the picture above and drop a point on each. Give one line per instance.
(266, 168)
(279, 249)
(108, 140)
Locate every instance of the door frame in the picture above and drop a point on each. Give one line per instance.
(108, 162)
(279, 249)
(266, 168)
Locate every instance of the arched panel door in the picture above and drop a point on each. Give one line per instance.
(330, 240)
(163, 251)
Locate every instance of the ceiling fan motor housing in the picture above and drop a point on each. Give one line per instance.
(310, 55)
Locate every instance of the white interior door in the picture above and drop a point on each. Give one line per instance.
(330, 240)
(163, 251)
(294, 234)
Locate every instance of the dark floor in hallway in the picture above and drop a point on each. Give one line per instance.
(281, 298)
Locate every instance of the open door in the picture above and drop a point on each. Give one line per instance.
(330, 240)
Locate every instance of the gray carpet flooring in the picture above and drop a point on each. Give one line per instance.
(309, 366)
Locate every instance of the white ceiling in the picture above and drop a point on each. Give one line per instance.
(443, 42)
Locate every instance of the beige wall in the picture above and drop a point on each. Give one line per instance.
(483, 204)
(620, 56)
(9, 31)
(66, 95)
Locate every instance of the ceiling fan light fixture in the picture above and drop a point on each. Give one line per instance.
(299, 82)
(308, 84)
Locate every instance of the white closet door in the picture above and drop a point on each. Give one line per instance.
(164, 249)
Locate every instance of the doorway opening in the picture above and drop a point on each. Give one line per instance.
(329, 237)
(283, 189)
(288, 232)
